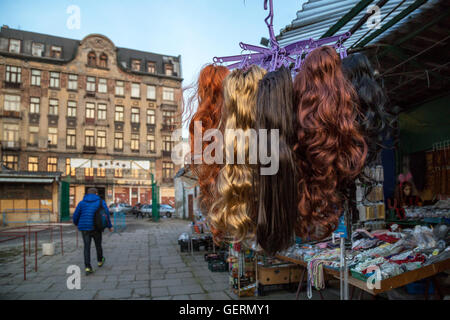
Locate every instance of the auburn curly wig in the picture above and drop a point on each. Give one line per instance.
(233, 211)
(330, 148)
(209, 95)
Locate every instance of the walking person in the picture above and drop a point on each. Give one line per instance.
(83, 218)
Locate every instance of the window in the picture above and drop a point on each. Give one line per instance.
(88, 172)
(70, 172)
(73, 82)
(89, 138)
(118, 173)
(101, 139)
(150, 116)
(136, 65)
(33, 164)
(55, 52)
(101, 111)
(118, 140)
(11, 134)
(120, 88)
(151, 67)
(72, 195)
(12, 103)
(118, 116)
(168, 94)
(168, 117)
(72, 109)
(151, 92)
(168, 170)
(33, 136)
(13, 74)
(90, 110)
(101, 172)
(37, 49)
(71, 138)
(135, 90)
(92, 59)
(53, 107)
(151, 143)
(152, 166)
(11, 161)
(90, 84)
(167, 143)
(135, 142)
(14, 46)
(35, 77)
(52, 164)
(103, 60)
(135, 115)
(102, 85)
(168, 69)
(34, 105)
(52, 136)
(54, 79)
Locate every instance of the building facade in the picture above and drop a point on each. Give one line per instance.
(101, 115)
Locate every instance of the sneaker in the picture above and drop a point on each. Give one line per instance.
(88, 271)
(102, 262)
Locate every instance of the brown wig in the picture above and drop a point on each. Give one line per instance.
(330, 148)
(209, 94)
(232, 212)
(277, 208)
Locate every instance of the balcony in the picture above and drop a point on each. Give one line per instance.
(118, 125)
(34, 118)
(168, 127)
(11, 114)
(89, 149)
(12, 85)
(71, 121)
(135, 126)
(166, 153)
(90, 121)
(11, 145)
(53, 120)
(166, 106)
(151, 128)
(90, 94)
(167, 180)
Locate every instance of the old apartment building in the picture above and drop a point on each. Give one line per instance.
(100, 114)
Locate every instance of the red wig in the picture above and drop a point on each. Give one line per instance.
(209, 94)
(330, 148)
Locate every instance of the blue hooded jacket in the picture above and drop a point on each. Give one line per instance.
(84, 214)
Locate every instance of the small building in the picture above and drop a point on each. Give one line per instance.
(186, 194)
(29, 197)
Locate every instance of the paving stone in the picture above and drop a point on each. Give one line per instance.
(49, 295)
(114, 294)
(220, 295)
(163, 298)
(77, 295)
(181, 297)
(190, 289)
(199, 296)
(165, 283)
(142, 292)
(159, 292)
(132, 284)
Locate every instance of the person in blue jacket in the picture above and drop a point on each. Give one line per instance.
(83, 218)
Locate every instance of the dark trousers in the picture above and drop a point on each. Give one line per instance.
(87, 237)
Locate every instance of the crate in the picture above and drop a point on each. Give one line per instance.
(274, 275)
(212, 257)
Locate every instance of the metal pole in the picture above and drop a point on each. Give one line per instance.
(341, 271)
(35, 251)
(62, 243)
(24, 259)
(29, 242)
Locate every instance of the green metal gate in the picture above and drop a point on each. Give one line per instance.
(155, 201)
(65, 212)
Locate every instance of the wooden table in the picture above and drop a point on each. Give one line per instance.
(427, 272)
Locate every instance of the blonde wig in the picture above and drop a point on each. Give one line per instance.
(233, 212)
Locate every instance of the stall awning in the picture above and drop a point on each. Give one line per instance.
(26, 180)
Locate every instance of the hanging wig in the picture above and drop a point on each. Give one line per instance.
(232, 212)
(330, 148)
(277, 209)
(209, 94)
(374, 120)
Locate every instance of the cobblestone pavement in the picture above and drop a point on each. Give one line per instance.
(142, 262)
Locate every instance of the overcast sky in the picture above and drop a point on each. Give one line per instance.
(197, 30)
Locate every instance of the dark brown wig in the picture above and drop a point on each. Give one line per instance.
(277, 209)
(331, 150)
(209, 93)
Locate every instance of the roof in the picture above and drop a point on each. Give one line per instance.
(409, 49)
(29, 177)
(70, 48)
